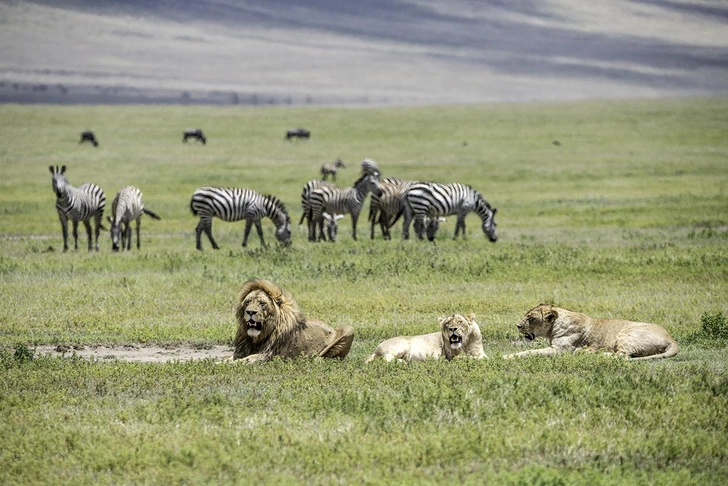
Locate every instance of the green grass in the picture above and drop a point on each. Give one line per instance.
(626, 218)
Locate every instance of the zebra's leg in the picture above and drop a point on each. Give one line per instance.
(128, 236)
(460, 225)
(259, 229)
(420, 226)
(138, 232)
(248, 227)
(64, 229)
(74, 223)
(406, 223)
(354, 219)
(87, 225)
(97, 229)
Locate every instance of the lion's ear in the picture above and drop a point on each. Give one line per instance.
(471, 317)
(551, 316)
(441, 319)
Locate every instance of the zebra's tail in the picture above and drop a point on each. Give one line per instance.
(151, 213)
(192, 208)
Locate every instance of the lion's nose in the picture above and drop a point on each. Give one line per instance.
(251, 313)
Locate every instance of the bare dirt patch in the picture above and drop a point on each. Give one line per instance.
(137, 353)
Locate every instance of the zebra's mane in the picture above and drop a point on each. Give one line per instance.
(277, 203)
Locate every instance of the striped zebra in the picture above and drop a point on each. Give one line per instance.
(234, 204)
(331, 169)
(386, 207)
(78, 204)
(126, 207)
(306, 197)
(434, 199)
(335, 200)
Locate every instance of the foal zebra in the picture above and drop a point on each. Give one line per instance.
(126, 207)
(79, 204)
(433, 199)
(306, 197)
(334, 200)
(331, 169)
(234, 204)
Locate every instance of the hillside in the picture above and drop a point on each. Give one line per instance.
(350, 52)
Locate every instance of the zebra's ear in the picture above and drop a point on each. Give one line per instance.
(495, 210)
(51, 169)
(63, 169)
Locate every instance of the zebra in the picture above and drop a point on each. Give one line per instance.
(335, 200)
(126, 207)
(331, 169)
(234, 204)
(78, 204)
(195, 133)
(386, 207)
(88, 136)
(434, 199)
(306, 194)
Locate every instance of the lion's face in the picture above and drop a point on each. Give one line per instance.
(537, 322)
(455, 331)
(258, 312)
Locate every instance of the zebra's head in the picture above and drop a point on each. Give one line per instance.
(115, 231)
(432, 224)
(283, 233)
(59, 180)
(487, 214)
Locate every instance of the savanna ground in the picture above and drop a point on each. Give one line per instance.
(626, 217)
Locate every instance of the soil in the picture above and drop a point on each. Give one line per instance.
(137, 353)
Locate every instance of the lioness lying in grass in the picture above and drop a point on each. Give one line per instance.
(568, 331)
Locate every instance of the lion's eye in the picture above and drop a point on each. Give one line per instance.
(263, 305)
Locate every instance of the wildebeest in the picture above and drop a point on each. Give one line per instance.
(88, 136)
(298, 133)
(195, 133)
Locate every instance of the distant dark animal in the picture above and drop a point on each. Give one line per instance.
(298, 133)
(331, 169)
(557, 143)
(78, 204)
(195, 133)
(127, 207)
(88, 136)
(234, 204)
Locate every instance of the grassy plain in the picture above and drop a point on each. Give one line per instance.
(626, 217)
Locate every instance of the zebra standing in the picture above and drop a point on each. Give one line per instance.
(78, 204)
(334, 200)
(386, 207)
(126, 207)
(331, 169)
(433, 199)
(306, 197)
(234, 204)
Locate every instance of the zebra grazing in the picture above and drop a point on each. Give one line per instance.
(433, 199)
(195, 133)
(234, 204)
(334, 200)
(331, 169)
(88, 136)
(78, 204)
(126, 207)
(386, 207)
(298, 133)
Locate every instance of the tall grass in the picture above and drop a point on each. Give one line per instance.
(624, 217)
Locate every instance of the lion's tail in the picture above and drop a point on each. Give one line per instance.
(671, 350)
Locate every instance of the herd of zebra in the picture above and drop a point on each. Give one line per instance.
(323, 204)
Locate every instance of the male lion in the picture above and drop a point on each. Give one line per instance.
(270, 324)
(568, 331)
(458, 335)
